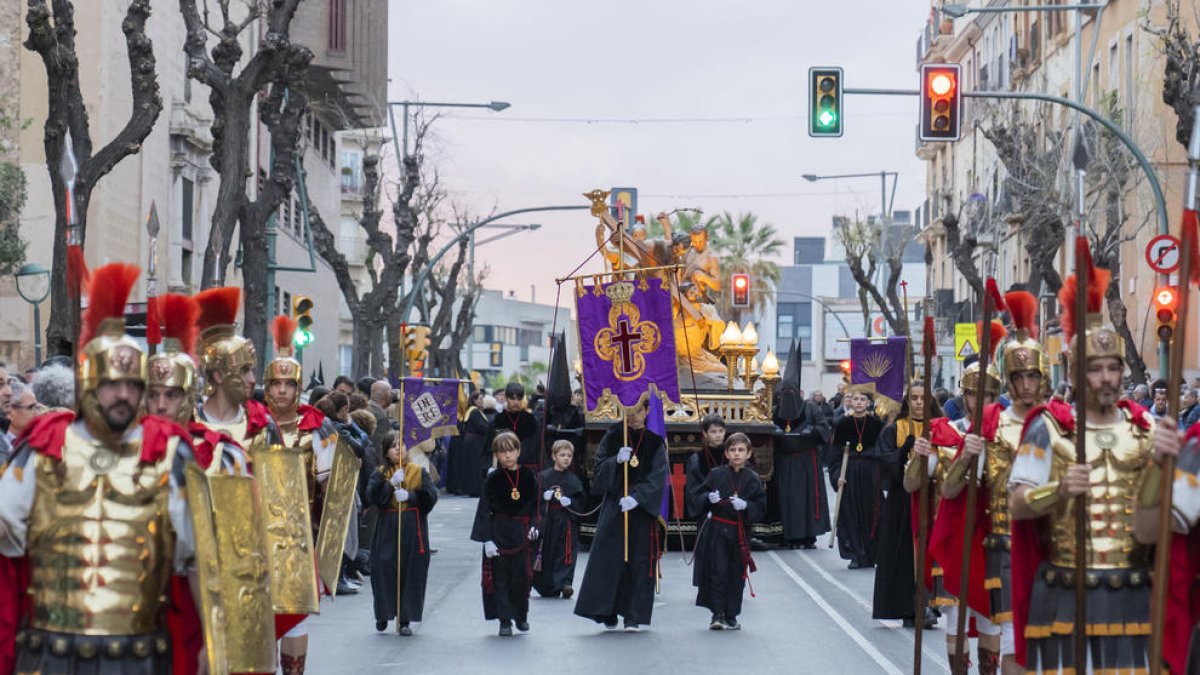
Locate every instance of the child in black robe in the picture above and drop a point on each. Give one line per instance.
(400, 482)
(504, 524)
(734, 499)
(710, 456)
(862, 503)
(517, 419)
(562, 498)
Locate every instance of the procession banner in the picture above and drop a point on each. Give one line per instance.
(877, 368)
(430, 409)
(627, 340)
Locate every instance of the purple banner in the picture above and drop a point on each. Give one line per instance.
(878, 368)
(627, 340)
(430, 409)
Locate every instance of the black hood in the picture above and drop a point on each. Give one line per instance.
(558, 382)
(791, 401)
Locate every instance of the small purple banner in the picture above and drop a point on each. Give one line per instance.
(878, 368)
(430, 409)
(627, 340)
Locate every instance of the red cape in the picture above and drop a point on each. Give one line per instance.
(205, 441)
(949, 531)
(257, 418)
(311, 419)
(1183, 594)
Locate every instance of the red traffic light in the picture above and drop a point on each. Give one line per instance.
(1166, 301)
(1165, 297)
(741, 290)
(845, 365)
(941, 83)
(941, 102)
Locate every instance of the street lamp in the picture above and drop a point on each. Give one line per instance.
(33, 285)
(958, 11)
(884, 205)
(402, 153)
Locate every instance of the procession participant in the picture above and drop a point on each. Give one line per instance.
(1045, 480)
(616, 585)
(710, 455)
(948, 536)
(562, 498)
(400, 489)
(803, 430)
(930, 460)
(858, 523)
(83, 493)
(895, 579)
(504, 524)
(734, 500)
(515, 418)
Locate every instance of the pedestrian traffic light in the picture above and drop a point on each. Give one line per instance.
(741, 290)
(824, 101)
(302, 307)
(941, 102)
(416, 348)
(1166, 301)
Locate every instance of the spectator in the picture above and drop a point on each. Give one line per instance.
(1159, 407)
(942, 395)
(364, 385)
(344, 384)
(1190, 411)
(839, 397)
(501, 400)
(826, 408)
(357, 401)
(1141, 396)
(54, 387)
(577, 398)
(316, 394)
(335, 406)
(23, 409)
(5, 396)
(1195, 386)
(27, 376)
(381, 400)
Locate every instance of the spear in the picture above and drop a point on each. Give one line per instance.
(153, 321)
(928, 347)
(1083, 266)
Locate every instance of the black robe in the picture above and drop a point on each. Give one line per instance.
(858, 524)
(558, 546)
(723, 548)
(611, 586)
(526, 428)
(414, 557)
(800, 477)
(506, 521)
(699, 464)
(567, 424)
(468, 452)
(895, 580)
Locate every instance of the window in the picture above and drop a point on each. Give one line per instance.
(345, 358)
(287, 303)
(351, 172)
(1129, 95)
(185, 267)
(337, 26)
(186, 197)
(1114, 65)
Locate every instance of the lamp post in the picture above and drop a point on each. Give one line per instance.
(33, 285)
(402, 152)
(511, 230)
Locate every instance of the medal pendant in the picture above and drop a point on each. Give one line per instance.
(858, 448)
(633, 461)
(516, 494)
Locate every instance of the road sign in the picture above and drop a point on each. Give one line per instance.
(1162, 254)
(964, 340)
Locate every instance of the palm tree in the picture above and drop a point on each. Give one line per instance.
(745, 245)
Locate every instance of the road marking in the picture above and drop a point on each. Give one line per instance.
(930, 653)
(875, 654)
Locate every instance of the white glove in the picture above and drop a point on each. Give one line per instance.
(490, 550)
(547, 495)
(624, 454)
(714, 497)
(401, 495)
(564, 500)
(397, 478)
(628, 503)
(533, 533)
(491, 469)
(737, 503)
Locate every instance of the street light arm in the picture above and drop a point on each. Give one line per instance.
(874, 174)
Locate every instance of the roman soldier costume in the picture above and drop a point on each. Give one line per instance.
(1044, 552)
(93, 513)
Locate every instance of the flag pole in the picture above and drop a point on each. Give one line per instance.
(400, 510)
(928, 347)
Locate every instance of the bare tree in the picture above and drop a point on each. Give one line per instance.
(1181, 72)
(871, 247)
(448, 307)
(52, 37)
(275, 77)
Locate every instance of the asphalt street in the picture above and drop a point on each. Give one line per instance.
(811, 615)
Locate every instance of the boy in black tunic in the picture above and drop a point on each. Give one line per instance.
(613, 586)
(562, 497)
(504, 524)
(734, 500)
(515, 418)
(710, 456)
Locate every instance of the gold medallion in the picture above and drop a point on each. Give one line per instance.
(633, 461)
(1106, 439)
(516, 494)
(103, 461)
(858, 448)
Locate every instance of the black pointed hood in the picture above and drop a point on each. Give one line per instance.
(558, 382)
(791, 401)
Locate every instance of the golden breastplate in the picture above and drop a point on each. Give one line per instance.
(100, 539)
(1117, 453)
(237, 431)
(998, 468)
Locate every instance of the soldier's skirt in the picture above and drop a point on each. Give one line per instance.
(998, 579)
(42, 652)
(1118, 620)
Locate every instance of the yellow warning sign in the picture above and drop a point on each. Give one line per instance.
(964, 340)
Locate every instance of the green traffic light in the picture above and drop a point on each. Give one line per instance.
(302, 338)
(826, 118)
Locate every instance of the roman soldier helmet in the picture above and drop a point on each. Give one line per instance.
(1023, 352)
(108, 354)
(222, 350)
(970, 376)
(174, 366)
(284, 366)
(1103, 341)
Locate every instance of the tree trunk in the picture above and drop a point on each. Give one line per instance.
(255, 262)
(232, 164)
(360, 351)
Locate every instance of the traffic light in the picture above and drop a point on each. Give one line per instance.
(302, 307)
(824, 101)
(416, 348)
(845, 365)
(741, 290)
(1166, 301)
(941, 101)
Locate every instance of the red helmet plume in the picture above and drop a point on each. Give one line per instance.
(180, 314)
(108, 291)
(283, 329)
(1097, 285)
(218, 306)
(1023, 308)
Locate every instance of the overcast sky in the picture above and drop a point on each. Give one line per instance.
(656, 60)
